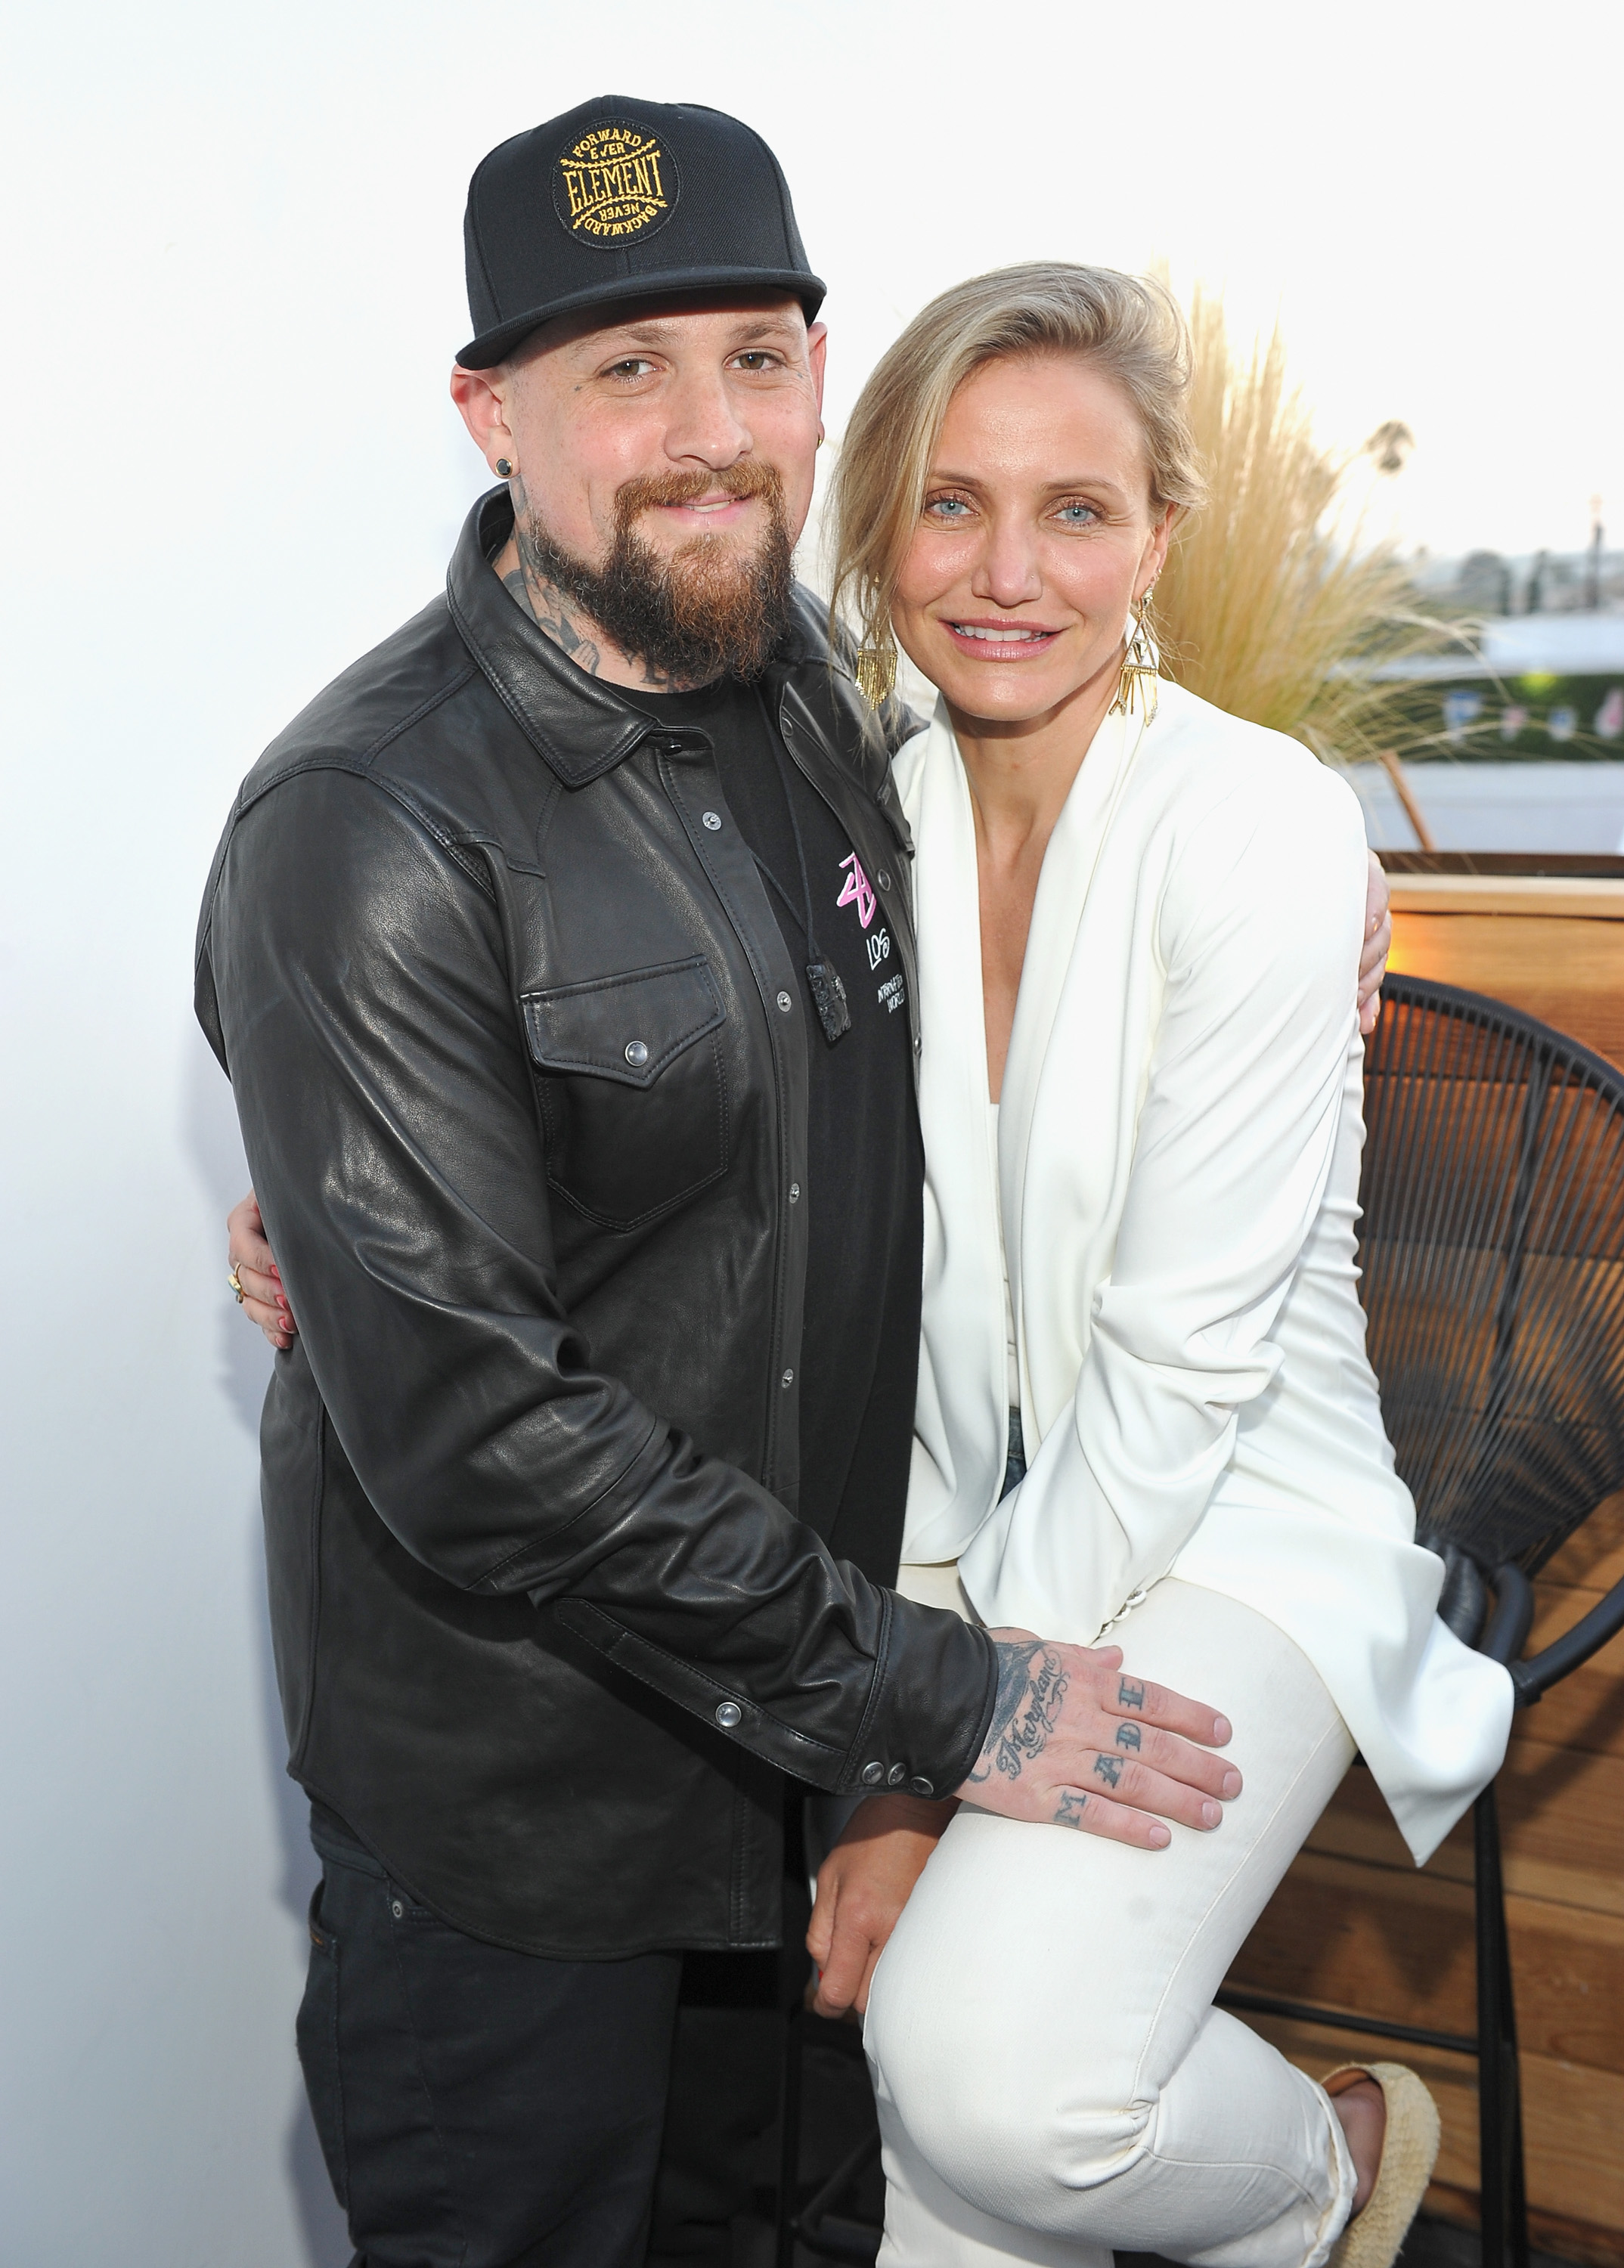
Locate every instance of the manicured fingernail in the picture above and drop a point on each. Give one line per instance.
(1211, 1813)
(1160, 1836)
(1231, 1782)
(276, 1272)
(1223, 1730)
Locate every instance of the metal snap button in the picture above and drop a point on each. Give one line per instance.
(396, 1908)
(788, 1378)
(872, 1775)
(637, 1053)
(896, 1775)
(794, 1192)
(711, 819)
(921, 1788)
(728, 1714)
(883, 877)
(785, 1003)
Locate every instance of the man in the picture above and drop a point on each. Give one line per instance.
(560, 957)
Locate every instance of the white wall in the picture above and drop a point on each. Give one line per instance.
(232, 286)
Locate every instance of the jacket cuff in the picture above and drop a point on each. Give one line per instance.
(930, 1706)
(924, 1726)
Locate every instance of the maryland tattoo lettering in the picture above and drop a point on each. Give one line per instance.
(1031, 1685)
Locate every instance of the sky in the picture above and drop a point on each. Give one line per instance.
(241, 217)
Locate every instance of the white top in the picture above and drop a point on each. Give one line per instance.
(1173, 1177)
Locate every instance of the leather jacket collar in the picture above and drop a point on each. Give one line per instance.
(577, 725)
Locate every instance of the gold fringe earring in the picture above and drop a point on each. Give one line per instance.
(877, 669)
(1142, 667)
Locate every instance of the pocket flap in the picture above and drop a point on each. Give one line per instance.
(627, 1027)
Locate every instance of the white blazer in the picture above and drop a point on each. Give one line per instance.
(1178, 1172)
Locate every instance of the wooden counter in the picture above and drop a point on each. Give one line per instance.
(1551, 944)
(1355, 1926)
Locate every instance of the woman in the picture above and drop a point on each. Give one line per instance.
(1144, 1405)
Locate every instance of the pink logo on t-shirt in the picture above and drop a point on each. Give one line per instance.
(858, 890)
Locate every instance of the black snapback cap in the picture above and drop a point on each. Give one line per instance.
(617, 200)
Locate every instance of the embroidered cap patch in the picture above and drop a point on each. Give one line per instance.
(616, 185)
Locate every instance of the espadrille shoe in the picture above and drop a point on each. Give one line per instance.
(1409, 2152)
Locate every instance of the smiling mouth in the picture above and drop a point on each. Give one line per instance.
(1002, 641)
(709, 504)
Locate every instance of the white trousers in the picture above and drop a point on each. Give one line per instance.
(1054, 2083)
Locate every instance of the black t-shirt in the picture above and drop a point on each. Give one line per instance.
(865, 1161)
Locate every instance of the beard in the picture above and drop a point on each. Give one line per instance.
(707, 609)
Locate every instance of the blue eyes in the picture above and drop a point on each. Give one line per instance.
(956, 510)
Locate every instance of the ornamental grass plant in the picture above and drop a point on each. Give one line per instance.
(1272, 606)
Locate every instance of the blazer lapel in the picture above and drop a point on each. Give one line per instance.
(960, 1445)
(1068, 868)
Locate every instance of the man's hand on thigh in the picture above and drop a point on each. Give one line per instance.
(1076, 1740)
(862, 1887)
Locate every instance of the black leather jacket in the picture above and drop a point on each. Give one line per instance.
(547, 1629)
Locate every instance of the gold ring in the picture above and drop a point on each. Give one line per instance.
(235, 1283)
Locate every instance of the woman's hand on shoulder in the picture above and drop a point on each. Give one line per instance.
(1377, 945)
(251, 1260)
(1077, 1741)
(862, 1887)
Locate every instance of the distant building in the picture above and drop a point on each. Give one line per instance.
(1529, 583)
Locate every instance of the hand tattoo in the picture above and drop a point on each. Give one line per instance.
(1109, 1769)
(1129, 1736)
(1130, 1694)
(1071, 1810)
(1031, 1685)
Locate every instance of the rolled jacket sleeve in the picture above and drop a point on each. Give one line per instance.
(353, 979)
(1257, 936)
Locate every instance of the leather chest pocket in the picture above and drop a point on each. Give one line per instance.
(634, 1098)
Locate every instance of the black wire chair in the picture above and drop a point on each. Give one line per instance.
(1493, 1258)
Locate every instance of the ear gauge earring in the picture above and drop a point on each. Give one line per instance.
(504, 469)
(1142, 667)
(877, 669)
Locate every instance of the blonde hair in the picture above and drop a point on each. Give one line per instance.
(1128, 326)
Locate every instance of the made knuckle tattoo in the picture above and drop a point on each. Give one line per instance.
(1109, 1769)
(1130, 1693)
(1129, 1736)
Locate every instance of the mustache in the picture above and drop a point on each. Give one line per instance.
(650, 490)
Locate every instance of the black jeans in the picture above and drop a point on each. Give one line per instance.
(483, 2109)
